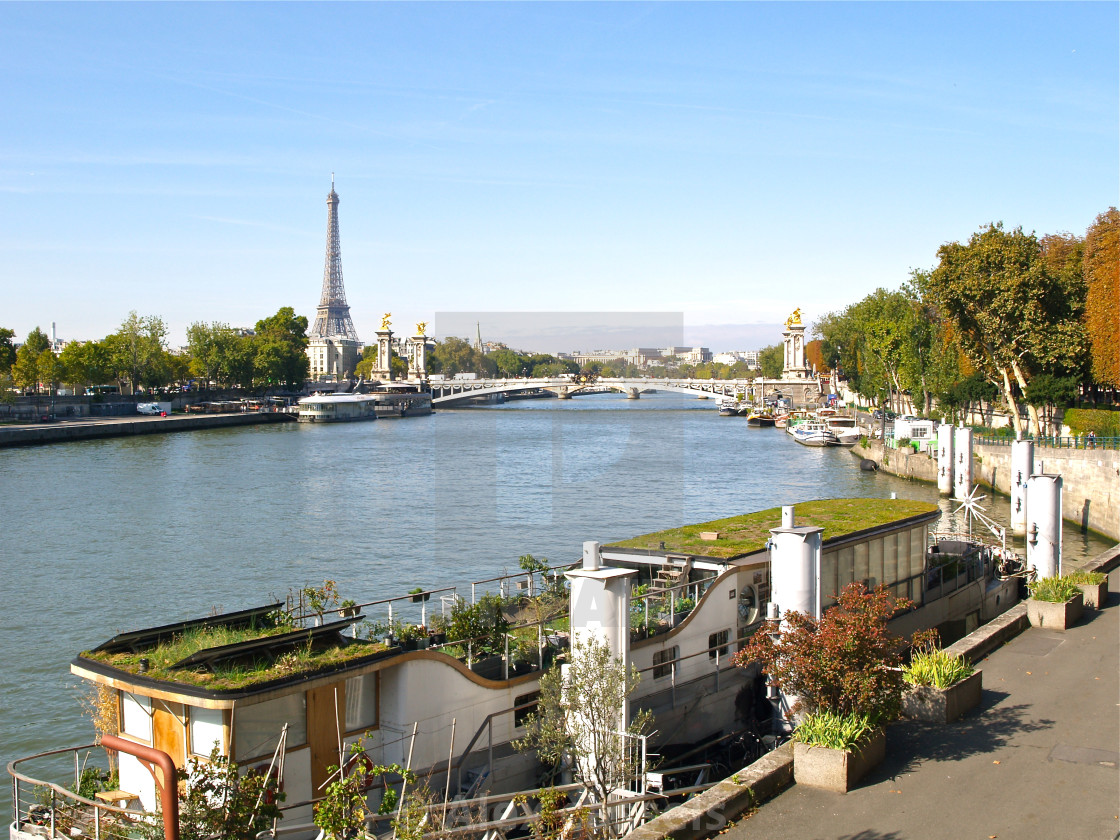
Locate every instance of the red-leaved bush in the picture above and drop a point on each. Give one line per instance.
(845, 663)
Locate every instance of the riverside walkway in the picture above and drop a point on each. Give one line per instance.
(1038, 759)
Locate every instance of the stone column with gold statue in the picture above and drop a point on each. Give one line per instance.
(418, 363)
(384, 366)
(793, 339)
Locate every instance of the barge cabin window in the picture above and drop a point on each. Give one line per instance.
(207, 728)
(256, 728)
(663, 661)
(361, 702)
(136, 716)
(717, 643)
(524, 707)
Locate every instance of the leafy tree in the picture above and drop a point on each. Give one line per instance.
(138, 349)
(7, 391)
(25, 371)
(507, 362)
(771, 361)
(365, 366)
(7, 350)
(48, 369)
(1102, 276)
(86, 363)
(1048, 391)
(217, 353)
(281, 349)
(1014, 313)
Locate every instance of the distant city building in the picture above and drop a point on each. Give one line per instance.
(732, 357)
(333, 347)
(688, 355)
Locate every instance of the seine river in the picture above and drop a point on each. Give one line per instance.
(104, 536)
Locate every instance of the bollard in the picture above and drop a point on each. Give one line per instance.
(1022, 467)
(962, 471)
(1044, 525)
(945, 459)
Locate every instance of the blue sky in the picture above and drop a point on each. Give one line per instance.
(729, 161)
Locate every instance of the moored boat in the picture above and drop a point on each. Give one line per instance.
(761, 419)
(814, 433)
(844, 427)
(730, 407)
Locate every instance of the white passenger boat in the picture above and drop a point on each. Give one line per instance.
(814, 433)
(337, 408)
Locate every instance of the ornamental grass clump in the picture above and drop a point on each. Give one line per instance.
(847, 663)
(832, 731)
(1056, 590)
(1083, 577)
(937, 668)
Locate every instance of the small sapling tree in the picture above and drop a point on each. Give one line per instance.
(578, 721)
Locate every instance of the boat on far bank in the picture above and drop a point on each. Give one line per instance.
(761, 419)
(730, 407)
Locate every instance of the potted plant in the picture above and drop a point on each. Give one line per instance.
(942, 687)
(437, 629)
(413, 637)
(842, 673)
(1093, 585)
(833, 751)
(1055, 603)
(348, 608)
(418, 594)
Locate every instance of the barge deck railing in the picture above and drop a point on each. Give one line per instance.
(60, 810)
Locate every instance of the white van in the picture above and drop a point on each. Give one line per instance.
(151, 408)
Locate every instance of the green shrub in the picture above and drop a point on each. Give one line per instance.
(832, 730)
(1057, 590)
(1091, 578)
(1102, 423)
(935, 667)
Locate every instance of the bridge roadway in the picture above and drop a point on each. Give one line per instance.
(444, 393)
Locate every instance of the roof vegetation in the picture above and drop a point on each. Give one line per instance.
(748, 533)
(235, 674)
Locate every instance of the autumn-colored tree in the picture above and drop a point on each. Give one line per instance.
(846, 663)
(1102, 303)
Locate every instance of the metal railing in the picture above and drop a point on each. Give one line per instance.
(1054, 442)
(41, 806)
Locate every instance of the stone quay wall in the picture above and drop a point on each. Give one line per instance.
(1090, 477)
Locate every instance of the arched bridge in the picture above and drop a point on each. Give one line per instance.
(451, 391)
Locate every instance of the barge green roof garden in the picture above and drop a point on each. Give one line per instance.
(748, 533)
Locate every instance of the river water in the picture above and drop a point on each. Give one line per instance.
(99, 537)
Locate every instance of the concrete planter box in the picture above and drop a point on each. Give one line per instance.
(942, 705)
(837, 770)
(1051, 616)
(1095, 594)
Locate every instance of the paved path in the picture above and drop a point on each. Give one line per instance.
(1038, 759)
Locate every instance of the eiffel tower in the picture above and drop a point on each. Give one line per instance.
(332, 319)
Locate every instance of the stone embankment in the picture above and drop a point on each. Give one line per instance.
(89, 429)
(1090, 477)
